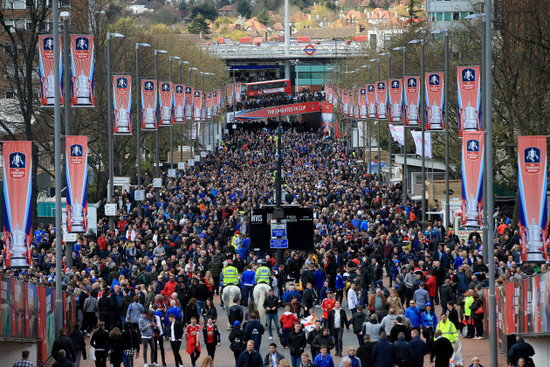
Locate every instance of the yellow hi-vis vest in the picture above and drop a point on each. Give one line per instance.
(230, 275)
(448, 330)
(263, 274)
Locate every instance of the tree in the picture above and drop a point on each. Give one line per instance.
(206, 9)
(413, 9)
(198, 25)
(265, 18)
(243, 7)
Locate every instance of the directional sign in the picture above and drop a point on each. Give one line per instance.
(139, 195)
(69, 237)
(157, 182)
(110, 210)
(279, 243)
(171, 173)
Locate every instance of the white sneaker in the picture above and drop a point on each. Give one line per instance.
(145, 365)
(270, 338)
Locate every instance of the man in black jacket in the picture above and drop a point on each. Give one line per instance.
(364, 352)
(176, 335)
(521, 349)
(357, 321)
(65, 343)
(311, 337)
(442, 350)
(271, 304)
(250, 357)
(309, 298)
(337, 320)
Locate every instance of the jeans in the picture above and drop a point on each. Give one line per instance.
(151, 343)
(161, 347)
(78, 355)
(100, 358)
(360, 339)
(200, 306)
(285, 336)
(247, 293)
(337, 335)
(176, 350)
(272, 317)
(296, 360)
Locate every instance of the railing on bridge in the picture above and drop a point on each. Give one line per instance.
(277, 50)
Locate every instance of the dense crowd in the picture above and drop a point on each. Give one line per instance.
(374, 269)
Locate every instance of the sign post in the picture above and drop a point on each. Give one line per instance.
(279, 238)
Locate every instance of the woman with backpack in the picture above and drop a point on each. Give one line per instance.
(236, 339)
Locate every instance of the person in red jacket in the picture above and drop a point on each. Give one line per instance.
(170, 286)
(431, 287)
(287, 321)
(326, 306)
(102, 244)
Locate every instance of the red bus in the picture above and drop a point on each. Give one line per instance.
(268, 87)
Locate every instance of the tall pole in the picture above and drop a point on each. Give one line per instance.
(57, 148)
(157, 134)
(485, 249)
(389, 133)
(171, 126)
(378, 141)
(190, 125)
(405, 167)
(181, 125)
(203, 138)
(287, 40)
(138, 127)
(446, 122)
(423, 116)
(67, 107)
(490, 196)
(370, 129)
(278, 177)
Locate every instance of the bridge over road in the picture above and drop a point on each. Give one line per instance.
(276, 111)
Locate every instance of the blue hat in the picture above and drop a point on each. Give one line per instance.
(428, 304)
(274, 268)
(236, 323)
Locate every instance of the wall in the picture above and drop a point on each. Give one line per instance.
(11, 352)
(542, 350)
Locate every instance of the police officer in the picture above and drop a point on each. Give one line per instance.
(263, 274)
(229, 276)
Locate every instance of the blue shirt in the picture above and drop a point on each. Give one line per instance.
(327, 361)
(248, 278)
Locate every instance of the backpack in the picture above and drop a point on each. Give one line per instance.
(235, 314)
(237, 345)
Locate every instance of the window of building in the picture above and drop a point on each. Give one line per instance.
(8, 48)
(13, 4)
(456, 15)
(9, 93)
(439, 16)
(464, 14)
(448, 16)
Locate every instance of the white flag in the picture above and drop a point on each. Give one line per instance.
(398, 134)
(360, 129)
(417, 136)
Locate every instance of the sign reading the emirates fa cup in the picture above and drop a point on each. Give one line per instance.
(82, 67)
(363, 103)
(17, 203)
(533, 209)
(434, 101)
(47, 79)
(381, 100)
(473, 152)
(165, 99)
(238, 89)
(230, 93)
(412, 100)
(149, 105)
(122, 105)
(188, 107)
(77, 183)
(197, 105)
(371, 101)
(179, 103)
(468, 81)
(396, 100)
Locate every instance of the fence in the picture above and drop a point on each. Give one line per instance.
(27, 311)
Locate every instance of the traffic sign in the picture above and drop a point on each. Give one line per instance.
(309, 50)
(157, 182)
(279, 243)
(172, 173)
(139, 195)
(181, 166)
(110, 210)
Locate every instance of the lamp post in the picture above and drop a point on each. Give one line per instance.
(445, 121)
(110, 189)
(170, 58)
(378, 121)
(157, 152)
(181, 125)
(405, 171)
(138, 110)
(389, 133)
(422, 114)
(370, 128)
(191, 122)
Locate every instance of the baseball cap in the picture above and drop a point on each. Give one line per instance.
(236, 323)
(428, 304)
(229, 261)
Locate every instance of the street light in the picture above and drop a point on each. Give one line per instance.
(191, 122)
(378, 122)
(445, 121)
(170, 58)
(389, 133)
(110, 123)
(422, 113)
(405, 170)
(138, 110)
(157, 136)
(182, 62)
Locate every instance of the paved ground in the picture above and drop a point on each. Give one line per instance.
(224, 356)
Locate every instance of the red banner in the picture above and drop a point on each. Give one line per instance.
(17, 203)
(188, 107)
(122, 105)
(179, 103)
(77, 182)
(363, 103)
(165, 105)
(371, 101)
(230, 92)
(468, 80)
(412, 100)
(208, 105)
(47, 80)
(149, 105)
(533, 212)
(197, 105)
(473, 152)
(381, 100)
(272, 112)
(238, 89)
(82, 61)
(434, 101)
(396, 100)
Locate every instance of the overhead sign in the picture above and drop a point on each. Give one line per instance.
(121, 181)
(276, 111)
(278, 243)
(110, 210)
(309, 50)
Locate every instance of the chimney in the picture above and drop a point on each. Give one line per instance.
(357, 28)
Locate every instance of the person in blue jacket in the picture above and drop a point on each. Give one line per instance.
(339, 285)
(248, 280)
(414, 315)
(291, 292)
(429, 323)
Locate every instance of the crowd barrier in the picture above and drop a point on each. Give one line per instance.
(523, 307)
(27, 311)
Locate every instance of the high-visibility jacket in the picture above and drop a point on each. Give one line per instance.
(230, 275)
(467, 303)
(263, 275)
(448, 330)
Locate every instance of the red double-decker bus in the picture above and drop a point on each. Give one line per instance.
(268, 87)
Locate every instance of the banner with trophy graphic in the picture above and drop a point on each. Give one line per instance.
(149, 105)
(165, 103)
(82, 69)
(363, 103)
(468, 81)
(188, 107)
(434, 101)
(47, 79)
(381, 100)
(179, 103)
(533, 212)
(230, 93)
(328, 92)
(197, 105)
(122, 105)
(76, 148)
(215, 103)
(412, 100)
(238, 89)
(17, 203)
(371, 101)
(345, 101)
(395, 97)
(208, 105)
(473, 153)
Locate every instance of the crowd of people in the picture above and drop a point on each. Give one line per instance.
(275, 99)
(374, 269)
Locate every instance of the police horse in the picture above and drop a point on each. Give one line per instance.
(260, 293)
